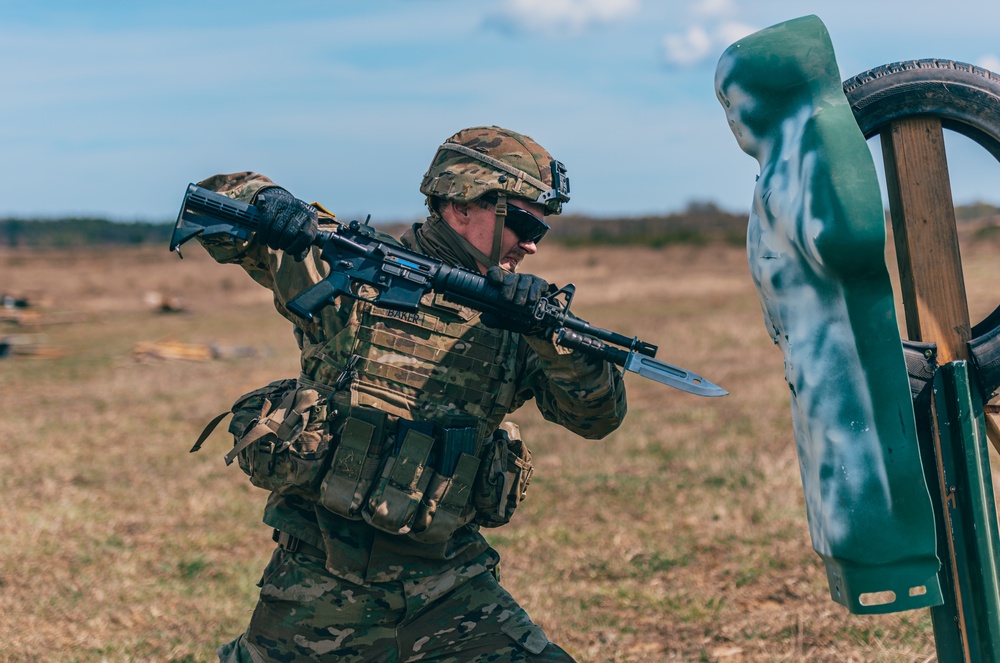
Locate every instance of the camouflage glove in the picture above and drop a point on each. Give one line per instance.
(286, 223)
(518, 292)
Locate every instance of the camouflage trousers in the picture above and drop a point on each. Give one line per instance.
(459, 616)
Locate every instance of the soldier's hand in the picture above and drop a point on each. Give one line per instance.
(517, 291)
(286, 223)
(520, 290)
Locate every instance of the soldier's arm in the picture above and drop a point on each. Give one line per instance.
(274, 270)
(583, 394)
(249, 254)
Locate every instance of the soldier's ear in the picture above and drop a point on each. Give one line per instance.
(457, 215)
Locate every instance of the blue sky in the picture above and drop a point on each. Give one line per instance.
(111, 108)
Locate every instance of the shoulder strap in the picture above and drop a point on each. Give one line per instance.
(208, 430)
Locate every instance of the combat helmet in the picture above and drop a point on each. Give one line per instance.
(491, 160)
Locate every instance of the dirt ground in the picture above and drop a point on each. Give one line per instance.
(680, 537)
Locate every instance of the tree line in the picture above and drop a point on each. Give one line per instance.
(698, 223)
(72, 232)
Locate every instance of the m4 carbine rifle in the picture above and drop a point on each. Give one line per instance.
(400, 277)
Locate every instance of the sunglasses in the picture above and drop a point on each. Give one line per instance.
(528, 227)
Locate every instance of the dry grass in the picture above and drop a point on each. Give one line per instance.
(680, 537)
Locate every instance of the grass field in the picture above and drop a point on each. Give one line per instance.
(682, 536)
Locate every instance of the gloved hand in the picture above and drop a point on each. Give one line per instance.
(286, 223)
(520, 291)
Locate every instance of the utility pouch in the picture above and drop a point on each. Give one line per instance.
(393, 503)
(503, 480)
(447, 502)
(355, 464)
(281, 438)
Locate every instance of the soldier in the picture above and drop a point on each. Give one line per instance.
(389, 451)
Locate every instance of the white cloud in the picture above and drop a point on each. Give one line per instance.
(561, 16)
(990, 62)
(688, 48)
(713, 8)
(731, 32)
(700, 43)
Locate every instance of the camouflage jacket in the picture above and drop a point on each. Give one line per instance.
(584, 395)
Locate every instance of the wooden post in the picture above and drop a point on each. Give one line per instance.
(936, 309)
(923, 225)
(932, 284)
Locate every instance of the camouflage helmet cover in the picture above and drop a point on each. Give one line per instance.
(482, 160)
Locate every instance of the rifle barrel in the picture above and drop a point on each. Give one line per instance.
(633, 343)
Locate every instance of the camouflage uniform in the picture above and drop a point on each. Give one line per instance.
(352, 591)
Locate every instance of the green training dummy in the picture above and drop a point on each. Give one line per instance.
(815, 244)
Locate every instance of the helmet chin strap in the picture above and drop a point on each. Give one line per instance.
(498, 226)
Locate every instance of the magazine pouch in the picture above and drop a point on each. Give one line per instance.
(356, 462)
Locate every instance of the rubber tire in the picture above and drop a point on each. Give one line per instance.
(967, 100)
(965, 97)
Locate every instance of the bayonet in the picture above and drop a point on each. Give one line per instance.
(672, 376)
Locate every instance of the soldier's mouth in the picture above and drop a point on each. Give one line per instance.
(510, 263)
(513, 259)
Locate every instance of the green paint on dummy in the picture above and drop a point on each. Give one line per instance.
(815, 244)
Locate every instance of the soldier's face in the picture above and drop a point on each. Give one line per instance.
(479, 233)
